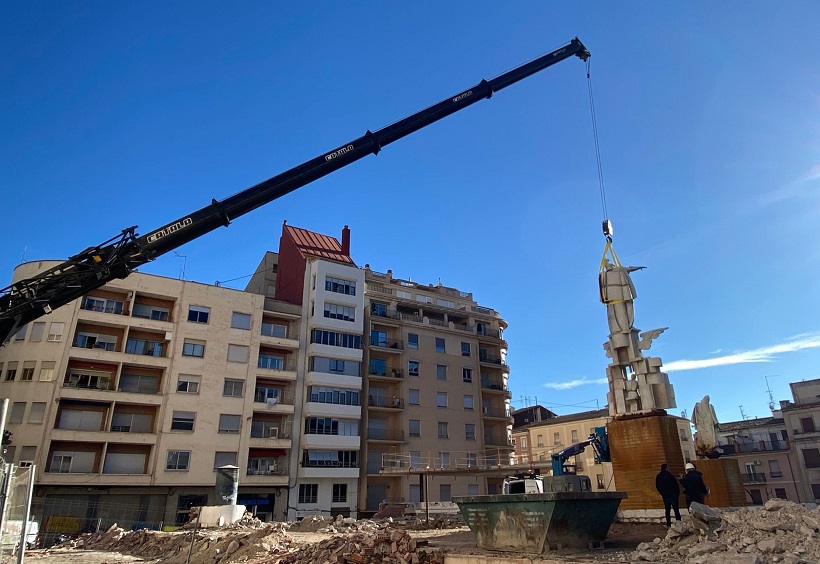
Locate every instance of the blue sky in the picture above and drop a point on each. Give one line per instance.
(115, 114)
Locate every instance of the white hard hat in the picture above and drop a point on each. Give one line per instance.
(690, 466)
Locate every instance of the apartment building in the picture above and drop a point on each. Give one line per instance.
(129, 399)
(762, 449)
(801, 417)
(437, 392)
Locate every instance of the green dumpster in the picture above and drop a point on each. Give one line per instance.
(538, 522)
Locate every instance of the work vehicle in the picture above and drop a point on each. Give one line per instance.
(28, 299)
(597, 440)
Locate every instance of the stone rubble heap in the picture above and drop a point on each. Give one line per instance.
(384, 546)
(780, 532)
(346, 524)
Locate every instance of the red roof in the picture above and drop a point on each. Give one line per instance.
(318, 245)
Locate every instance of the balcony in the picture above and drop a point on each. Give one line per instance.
(388, 435)
(384, 371)
(278, 335)
(144, 347)
(386, 403)
(753, 477)
(494, 387)
(391, 345)
(755, 446)
(497, 412)
(498, 441)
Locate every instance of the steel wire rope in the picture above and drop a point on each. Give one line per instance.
(597, 144)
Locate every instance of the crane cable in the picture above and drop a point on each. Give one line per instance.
(607, 227)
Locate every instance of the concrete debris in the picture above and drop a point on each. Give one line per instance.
(780, 532)
(250, 540)
(385, 546)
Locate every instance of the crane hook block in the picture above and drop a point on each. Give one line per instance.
(606, 225)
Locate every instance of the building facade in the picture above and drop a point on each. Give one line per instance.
(128, 399)
(801, 417)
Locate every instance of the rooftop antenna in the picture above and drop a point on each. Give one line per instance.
(742, 413)
(771, 395)
(184, 263)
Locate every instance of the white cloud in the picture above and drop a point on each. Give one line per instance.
(574, 383)
(764, 354)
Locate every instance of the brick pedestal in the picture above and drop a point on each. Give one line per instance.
(722, 477)
(639, 445)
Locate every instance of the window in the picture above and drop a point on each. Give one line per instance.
(229, 423)
(198, 314)
(131, 423)
(233, 388)
(440, 344)
(465, 349)
(412, 341)
(469, 431)
(415, 427)
(343, 312)
(441, 399)
(102, 305)
(238, 353)
(556, 438)
(467, 375)
(378, 338)
(468, 402)
(37, 330)
(415, 459)
(340, 286)
(444, 492)
(188, 384)
(183, 421)
(178, 460)
(424, 299)
(27, 454)
(47, 371)
(779, 493)
(308, 493)
(138, 384)
(807, 423)
(141, 346)
(404, 294)
(540, 439)
(445, 303)
(241, 320)
(37, 413)
(224, 459)
(336, 366)
(193, 348)
(441, 372)
(774, 469)
(574, 436)
(18, 408)
(336, 339)
(271, 361)
(27, 375)
(21, 333)
(145, 311)
(443, 430)
(274, 330)
(523, 442)
(815, 490)
(444, 459)
(321, 394)
(11, 372)
(472, 489)
(413, 367)
(55, 332)
(339, 493)
(812, 457)
(378, 310)
(472, 460)
(414, 397)
(95, 341)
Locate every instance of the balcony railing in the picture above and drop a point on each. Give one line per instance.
(115, 308)
(143, 347)
(755, 446)
(272, 396)
(386, 371)
(489, 333)
(387, 343)
(385, 434)
(268, 466)
(489, 385)
(496, 412)
(753, 477)
(385, 314)
(492, 360)
(378, 401)
(497, 440)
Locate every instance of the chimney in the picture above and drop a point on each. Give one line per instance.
(346, 241)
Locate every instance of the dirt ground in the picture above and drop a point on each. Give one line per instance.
(622, 539)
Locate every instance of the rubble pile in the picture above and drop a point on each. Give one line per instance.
(384, 546)
(781, 532)
(228, 544)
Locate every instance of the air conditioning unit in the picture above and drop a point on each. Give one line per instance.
(272, 432)
(757, 463)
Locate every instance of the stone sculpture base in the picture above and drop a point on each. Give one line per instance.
(722, 477)
(639, 444)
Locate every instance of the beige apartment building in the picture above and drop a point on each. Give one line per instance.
(537, 441)
(128, 399)
(801, 418)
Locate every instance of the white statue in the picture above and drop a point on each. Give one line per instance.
(705, 421)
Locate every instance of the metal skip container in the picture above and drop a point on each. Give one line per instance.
(537, 522)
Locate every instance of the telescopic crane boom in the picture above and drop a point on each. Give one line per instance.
(26, 300)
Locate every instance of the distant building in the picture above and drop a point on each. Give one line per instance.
(801, 417)
(531, 414)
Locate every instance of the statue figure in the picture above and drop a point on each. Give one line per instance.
(705, 421)
(636, 382)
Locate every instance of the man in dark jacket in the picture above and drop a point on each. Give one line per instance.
(667, 486)
(693, 485)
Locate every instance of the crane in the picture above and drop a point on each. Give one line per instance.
(600, 444)
(29, 299)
